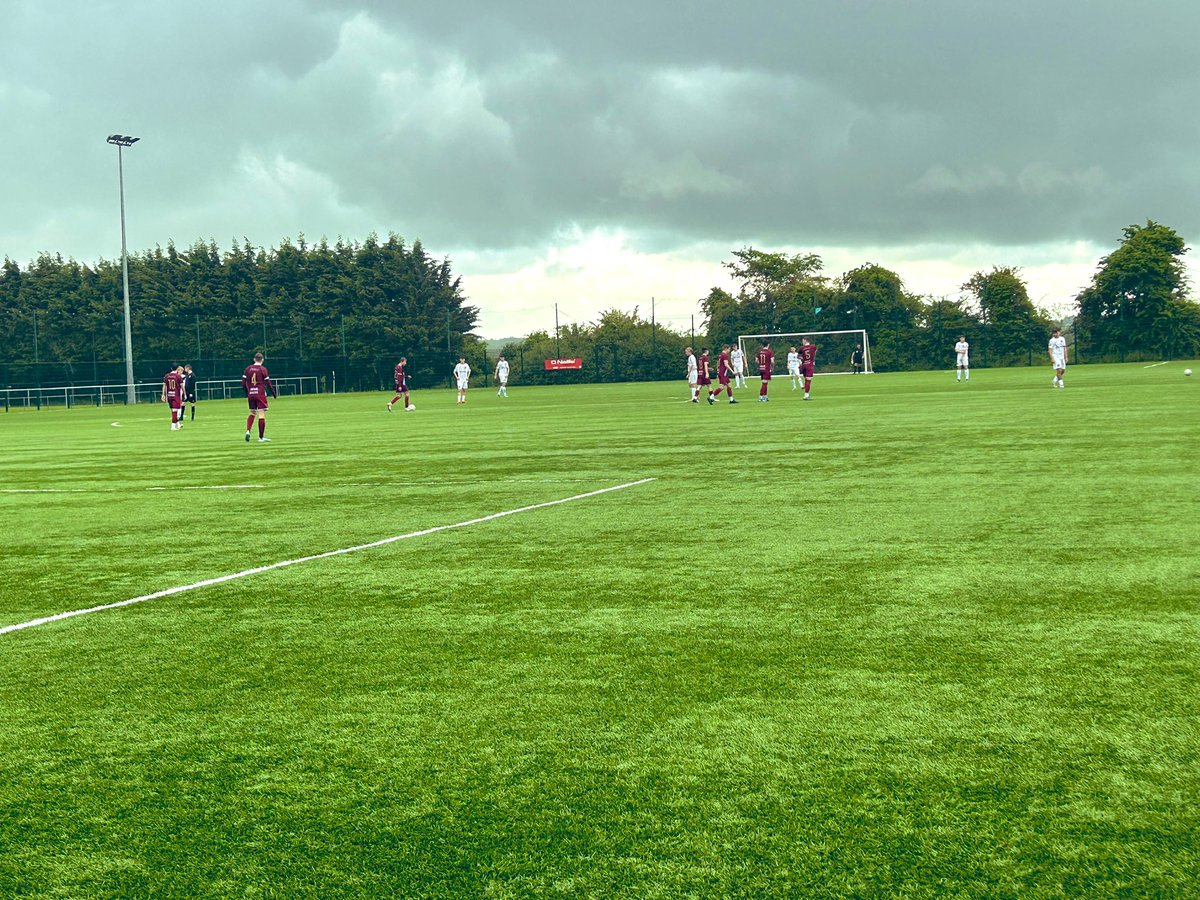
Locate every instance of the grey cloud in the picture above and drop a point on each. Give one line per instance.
(489, 126)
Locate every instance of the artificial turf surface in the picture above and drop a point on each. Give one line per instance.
(911, 638)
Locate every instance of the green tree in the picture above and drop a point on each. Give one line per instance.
(1137, 300)
(1013, 326)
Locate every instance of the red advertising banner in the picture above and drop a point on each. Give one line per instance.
(553, 364)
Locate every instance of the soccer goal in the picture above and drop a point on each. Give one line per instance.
(835, 350)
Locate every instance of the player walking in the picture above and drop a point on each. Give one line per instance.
(724, 370)
(462, 377)
(693, 374)
(808, 363)
(189, 390)
(793, 364)
(172, 395)
(703, 376)
(962, 355)
(502, 376)
(1058, 356)
(766, 362)
(401, 385)
(256, 383)
(738, 359)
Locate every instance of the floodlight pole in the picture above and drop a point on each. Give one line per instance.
(121, 141)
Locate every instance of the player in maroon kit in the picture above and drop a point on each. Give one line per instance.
(766, 362)
(256, 382)
(401, 385)
(172, 394)
(808, 363)
(704, 376)
(724, 374)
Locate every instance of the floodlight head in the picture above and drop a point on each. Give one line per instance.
(122, 140)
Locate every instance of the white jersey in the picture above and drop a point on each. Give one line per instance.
(462, 374)
(738, 360)
(793, 361)
(1058, 349)
(693, 374)
(961, 350)
(502, 370)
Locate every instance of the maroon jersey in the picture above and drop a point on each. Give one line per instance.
(702, 369)
(808, 355)
(173, 386)
(401, 379)
(256, 382)
(766, 361)
(724, 368)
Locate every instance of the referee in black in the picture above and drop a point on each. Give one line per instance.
(189, 389)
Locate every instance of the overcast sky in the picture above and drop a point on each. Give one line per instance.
(597, 155)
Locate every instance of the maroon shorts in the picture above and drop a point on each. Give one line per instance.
(723, 379)
(402, 387)
(764, 374)
(257, 403)
(704, 379)
(806, 371)
(174, 403)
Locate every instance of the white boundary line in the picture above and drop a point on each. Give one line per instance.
(33, 623)
(1155, 365)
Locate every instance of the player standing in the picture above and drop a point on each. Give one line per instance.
(401, 385)
(462, 377)
(189, 390)
(962, 356)
(856, 359)
(1058, 356)
(502, 376)
(766, 362)
(738, 359)
(256, 383)
(808, 363)
(172, 395)
(724, 370)
(793, 364)
(693, 375)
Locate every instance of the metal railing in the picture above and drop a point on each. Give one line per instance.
(146, 392)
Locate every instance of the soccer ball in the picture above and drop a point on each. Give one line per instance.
(1187, 371)
(413, 406)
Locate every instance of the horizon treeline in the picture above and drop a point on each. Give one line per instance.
(346, 307)
(353, 308)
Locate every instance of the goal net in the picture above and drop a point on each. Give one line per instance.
(835, 350)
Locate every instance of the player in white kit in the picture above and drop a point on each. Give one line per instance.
(962, 352)
(693, 374)
(737, 359)
(502, 376)
(1058, 356)
(462, 378)
(793, 363)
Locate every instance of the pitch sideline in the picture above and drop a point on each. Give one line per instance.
(208, 582)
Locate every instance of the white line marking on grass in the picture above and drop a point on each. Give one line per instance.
(1155, 365)
(33, 623)
(177, 487)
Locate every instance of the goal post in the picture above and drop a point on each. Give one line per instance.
(835, 350)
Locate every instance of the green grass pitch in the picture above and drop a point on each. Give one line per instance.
(911, 638)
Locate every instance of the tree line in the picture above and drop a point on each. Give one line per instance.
(345, 308)
(353, 308)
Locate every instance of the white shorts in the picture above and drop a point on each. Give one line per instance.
(693, 380)
(962, 361)
(463, 383)
(1058, 362)
(794, 370)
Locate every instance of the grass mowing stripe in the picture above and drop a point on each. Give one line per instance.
(257, 570)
